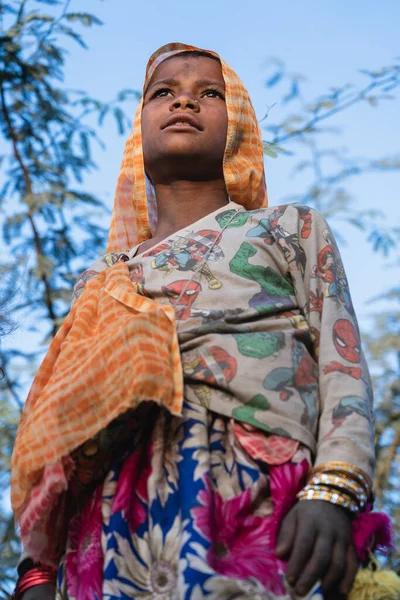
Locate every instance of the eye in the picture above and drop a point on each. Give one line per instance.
(162, 93)
(213, 94)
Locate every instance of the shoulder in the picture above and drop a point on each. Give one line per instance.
(293, 214)
(103, 262)
(294, 219)
(294, 210)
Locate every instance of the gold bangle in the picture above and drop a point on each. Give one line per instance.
(345, 468)
(336, 495)
(328, 489)
(327, 495)
(343, 483)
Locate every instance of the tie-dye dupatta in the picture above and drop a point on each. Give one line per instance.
(102, 361)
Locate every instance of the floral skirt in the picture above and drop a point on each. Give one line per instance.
(188, 512)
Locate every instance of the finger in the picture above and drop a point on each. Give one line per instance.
(301, 551)
(317, 565)
(351, 568)
(335, 572)
(286, 535)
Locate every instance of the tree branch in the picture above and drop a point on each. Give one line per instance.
(29, 189)
(334, 110)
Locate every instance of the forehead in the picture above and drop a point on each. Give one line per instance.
(188, 67)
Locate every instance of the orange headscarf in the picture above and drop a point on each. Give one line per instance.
(103, 359)
(134, 211)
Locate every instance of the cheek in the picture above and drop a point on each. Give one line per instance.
(223, 125)
(146, 128)
(220, 127)
(149, 135)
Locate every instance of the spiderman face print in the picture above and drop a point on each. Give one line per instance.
(346, 340)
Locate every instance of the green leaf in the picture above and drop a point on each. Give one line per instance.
(85, 19)
(103, 114)
(274, 80)
(127, 94)
(269, 151)
(37, 17)
(119, 117)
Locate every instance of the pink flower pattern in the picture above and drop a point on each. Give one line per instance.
(242, 544)
(240, 541)
(84, 560)
(131, 494)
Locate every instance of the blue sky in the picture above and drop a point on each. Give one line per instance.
(328, 42)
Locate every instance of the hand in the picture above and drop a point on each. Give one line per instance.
(44, 591)
(315, 537)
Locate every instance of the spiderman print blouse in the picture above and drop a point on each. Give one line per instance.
(266, 326)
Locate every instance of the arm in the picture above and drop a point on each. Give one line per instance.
(36, 581)
(345, 431)
(45, 591)
(316, 535)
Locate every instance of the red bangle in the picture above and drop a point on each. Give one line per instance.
(36, 576)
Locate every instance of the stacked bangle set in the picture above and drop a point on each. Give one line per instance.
(38, 575)
(338, 483)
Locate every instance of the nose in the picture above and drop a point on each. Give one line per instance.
(185, 101)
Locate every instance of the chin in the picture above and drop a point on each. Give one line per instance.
(183, 147)
(183, 158)
(179, 152)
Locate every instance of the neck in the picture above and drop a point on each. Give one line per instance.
(181, 203)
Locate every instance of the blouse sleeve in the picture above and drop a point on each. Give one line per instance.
(346, 422)
(106, 260)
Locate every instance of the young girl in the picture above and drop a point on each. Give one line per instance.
(209, 375)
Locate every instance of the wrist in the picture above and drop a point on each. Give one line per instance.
(338, 483)
(44, 591)
(38, 575)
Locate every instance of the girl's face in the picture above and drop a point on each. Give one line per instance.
(184, 120)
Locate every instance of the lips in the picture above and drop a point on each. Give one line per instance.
(182, 120)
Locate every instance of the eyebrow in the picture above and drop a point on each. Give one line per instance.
(163, 82)
(210, 82)
(174, 82)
